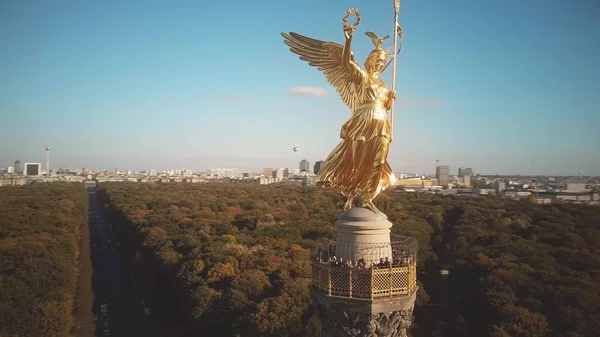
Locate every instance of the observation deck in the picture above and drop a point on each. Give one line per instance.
(364, 283)
(388, 276)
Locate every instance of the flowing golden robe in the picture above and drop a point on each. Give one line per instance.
(358, 166)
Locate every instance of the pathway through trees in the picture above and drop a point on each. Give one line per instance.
(118, 307)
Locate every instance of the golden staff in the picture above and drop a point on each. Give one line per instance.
(398, 32)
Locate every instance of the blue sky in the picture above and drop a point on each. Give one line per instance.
(500, 86)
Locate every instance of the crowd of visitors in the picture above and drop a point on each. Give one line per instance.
(402, 260)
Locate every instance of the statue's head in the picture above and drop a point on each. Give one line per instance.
(377, 58)
(376, 61)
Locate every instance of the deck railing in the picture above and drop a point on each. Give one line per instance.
(366, 283)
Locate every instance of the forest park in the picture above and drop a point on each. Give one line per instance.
(237, 257)
(40, 226)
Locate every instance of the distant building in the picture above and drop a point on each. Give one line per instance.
(442, 174)
(499, 186)
(308, 178)
(279, 173)
(264, 180)
(568, 196)
(543, 201)
(415, 182)
(318, 166)
(465, 180)
(268, 172)
(304, 166)
(18, 168)
(32, 169)
(215, 172)
(465, 171)
(10, 169)
(576, 186)
(517, 194)
(483, 191)
(14, 181)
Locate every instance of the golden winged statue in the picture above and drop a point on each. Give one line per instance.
(358, 166)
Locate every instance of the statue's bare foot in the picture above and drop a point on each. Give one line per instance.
(349, 203)
(369, 204)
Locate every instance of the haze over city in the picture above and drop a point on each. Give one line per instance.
(504, 87)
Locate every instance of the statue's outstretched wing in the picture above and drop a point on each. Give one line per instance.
(327, 57)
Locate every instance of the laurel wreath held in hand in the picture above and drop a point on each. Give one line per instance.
(356, 14)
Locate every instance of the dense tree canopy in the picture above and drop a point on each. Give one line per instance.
(535, 269)
(39, 230)
(235, 257)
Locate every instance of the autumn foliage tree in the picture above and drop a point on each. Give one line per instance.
(235, 257)
(39, 231)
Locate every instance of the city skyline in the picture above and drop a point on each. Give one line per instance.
(196, 165)
(505, 88)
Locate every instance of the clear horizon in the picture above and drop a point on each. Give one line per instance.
(502, 87)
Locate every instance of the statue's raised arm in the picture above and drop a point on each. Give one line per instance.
(336, 61)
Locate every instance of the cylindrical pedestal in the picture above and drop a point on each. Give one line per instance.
(362, 234)
(383, 317)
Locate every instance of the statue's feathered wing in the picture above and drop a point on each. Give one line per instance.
(327, 57)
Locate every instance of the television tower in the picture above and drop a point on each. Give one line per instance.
(47, 160)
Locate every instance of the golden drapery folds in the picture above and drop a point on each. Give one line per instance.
(358, 166)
